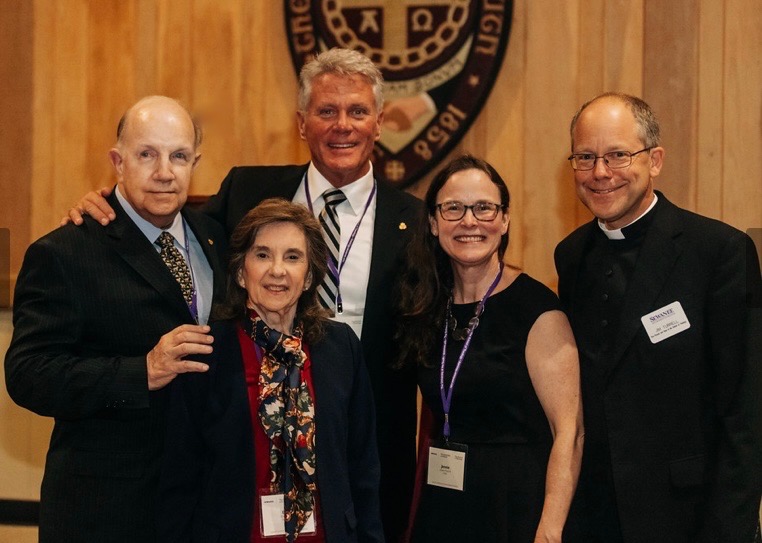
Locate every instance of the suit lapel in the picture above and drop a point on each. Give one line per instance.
(133, 247)
(386, 245)
(655, 263)
(208, 243)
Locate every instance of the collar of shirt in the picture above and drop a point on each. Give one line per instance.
(357, 192)
(150, 231)
(617, 232)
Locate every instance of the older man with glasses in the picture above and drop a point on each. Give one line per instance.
(663, 304)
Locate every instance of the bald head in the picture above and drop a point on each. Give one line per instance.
(149, 103)
(154, 158)
(645, 119)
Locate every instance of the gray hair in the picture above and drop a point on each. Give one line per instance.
(343, 62)
(648, 125)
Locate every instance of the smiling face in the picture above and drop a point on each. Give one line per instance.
(469, 242)
(275, 272)
(340, 125)
(615, 196)
(154, 159)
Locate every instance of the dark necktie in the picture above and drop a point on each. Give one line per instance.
(329, 222)
(176, 264)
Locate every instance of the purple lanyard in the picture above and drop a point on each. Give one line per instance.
(472, 324)
(337, 272)
(193, 306)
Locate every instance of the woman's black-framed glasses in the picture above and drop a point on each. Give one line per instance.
(455, 211)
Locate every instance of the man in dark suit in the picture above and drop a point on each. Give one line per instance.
(340, 111)
(662, 302)
(101, 325)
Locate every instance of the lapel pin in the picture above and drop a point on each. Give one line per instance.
(403, 226)
(211, 241)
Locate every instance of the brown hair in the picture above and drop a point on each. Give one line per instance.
(427, 278)
(309, 312)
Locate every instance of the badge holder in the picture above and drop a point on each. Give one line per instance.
(447, 464)
(272, 522)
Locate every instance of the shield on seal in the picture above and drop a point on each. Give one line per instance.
(439, 59)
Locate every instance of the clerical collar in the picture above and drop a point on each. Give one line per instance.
(149, 230)
(631, 229)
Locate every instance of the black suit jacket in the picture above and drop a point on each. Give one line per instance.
(207, 489)
(397, 213)
(90, 303)
(679, 428)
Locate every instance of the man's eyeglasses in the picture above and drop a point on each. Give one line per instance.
(455, 211)
(614, 160)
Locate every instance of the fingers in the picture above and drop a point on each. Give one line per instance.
(75, 216)
(167, 359)
(94, 204)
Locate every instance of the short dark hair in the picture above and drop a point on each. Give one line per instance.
(278, 210)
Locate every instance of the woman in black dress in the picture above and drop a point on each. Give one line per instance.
(498, 369)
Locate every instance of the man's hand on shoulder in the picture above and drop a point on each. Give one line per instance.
(94, 204)
(166, 360)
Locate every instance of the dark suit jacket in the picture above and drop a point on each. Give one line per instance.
(394, 391)
(207, 489)
(679, 431)
(90, 303)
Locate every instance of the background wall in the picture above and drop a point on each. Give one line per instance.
(70, 67)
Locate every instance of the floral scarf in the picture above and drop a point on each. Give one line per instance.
(287, 414)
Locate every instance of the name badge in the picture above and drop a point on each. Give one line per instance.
(354, 321)
(447, 465)
(273, 522)
(665, 322)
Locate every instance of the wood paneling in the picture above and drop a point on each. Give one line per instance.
(77, 64)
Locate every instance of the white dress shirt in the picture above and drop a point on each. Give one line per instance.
(354, 274)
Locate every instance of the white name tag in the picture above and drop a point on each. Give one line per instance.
(447, 468)
(665, 322)
(354, 321)
(273, 523)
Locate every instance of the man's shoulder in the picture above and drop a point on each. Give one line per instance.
(693, 224)
(390, 196)
(265, 173)
(577, 236)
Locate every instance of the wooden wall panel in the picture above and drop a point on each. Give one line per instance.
(16, 135)
(670, 78)
(710, 109)
(742, 120)
(698, 63)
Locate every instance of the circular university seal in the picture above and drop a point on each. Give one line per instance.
(439, 59)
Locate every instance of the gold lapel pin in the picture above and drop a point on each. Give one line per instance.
(403, 226)
(211, 241)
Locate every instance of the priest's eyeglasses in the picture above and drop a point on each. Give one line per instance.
(614, 160)
(455, 211)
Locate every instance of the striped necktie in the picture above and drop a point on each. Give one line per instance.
(329, 222)
(176, 264)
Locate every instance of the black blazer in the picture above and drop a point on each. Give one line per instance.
(679, 428)
(397, 213)
(90, 303)
(207, 488)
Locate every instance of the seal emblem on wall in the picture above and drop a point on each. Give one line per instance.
(439, 59)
